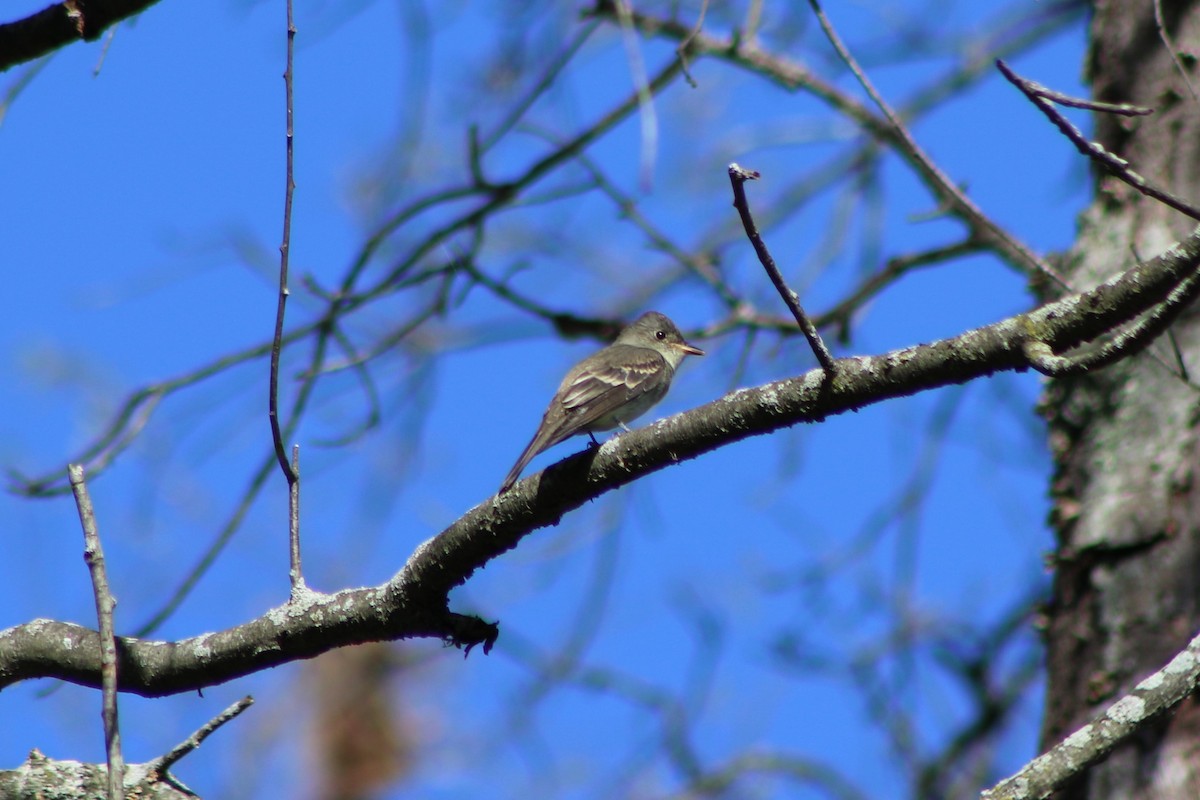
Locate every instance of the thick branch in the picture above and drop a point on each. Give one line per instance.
(308, 626)
(60, 24)
(414, 602)
(1156, 695)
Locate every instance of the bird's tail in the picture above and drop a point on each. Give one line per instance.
(534, 447)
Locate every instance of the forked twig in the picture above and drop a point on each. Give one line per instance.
(1045, 99)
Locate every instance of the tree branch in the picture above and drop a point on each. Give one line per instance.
(414, 602)
(1156, 695)
(61, 24)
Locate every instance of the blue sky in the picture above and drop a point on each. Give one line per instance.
(141, 209)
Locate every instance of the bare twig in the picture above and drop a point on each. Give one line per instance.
(947, 190)
(257, 481)
(875, 283)
(737, 178)
(284, 250)
(481, 145)
(163, 763)
(701, 265)
(21, 83)
(108, 40)
(682, 48)
(1117, 166)
(93, 554)
(295, 572)
(290, 471)
(647, 115)
(751, 767)
(1087, 104)
(135, 413)
(1173, 51)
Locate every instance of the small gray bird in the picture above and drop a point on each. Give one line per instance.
(611, 388)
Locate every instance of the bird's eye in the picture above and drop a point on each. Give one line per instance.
(660, 335)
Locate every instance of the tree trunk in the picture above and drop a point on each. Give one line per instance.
(1126, 513)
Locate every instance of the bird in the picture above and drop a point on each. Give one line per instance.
(612, 387)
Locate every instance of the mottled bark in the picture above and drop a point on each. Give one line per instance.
(1126, 511)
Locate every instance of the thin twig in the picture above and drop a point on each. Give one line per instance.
(1172, 50)
(701, 265)
(1115, 165)
(163, 763)
(985, 226)
(23, 79)
(896, 267)
(682, 48)
(480, 145)
(737, 178)
(284, 250)
(108, 40)
(290, 471)
(494, 197)
(295, 572)
(1070, 101)
(647, 115)
(93, 554)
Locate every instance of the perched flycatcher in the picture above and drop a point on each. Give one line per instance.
(611, 388)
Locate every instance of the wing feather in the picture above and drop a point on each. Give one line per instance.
(596, 391)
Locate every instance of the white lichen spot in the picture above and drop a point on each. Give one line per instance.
(201, 647)
(1128, 710)
(1151, 683)
(1080, 739)
(304, 601)
(136, 774)
(278, 615)
(1181, 664)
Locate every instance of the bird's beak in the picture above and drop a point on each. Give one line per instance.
(689, 350)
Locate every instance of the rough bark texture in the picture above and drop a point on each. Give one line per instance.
(41, 778)
(1127, 582)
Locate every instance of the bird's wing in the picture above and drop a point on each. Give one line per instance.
(596, 391)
